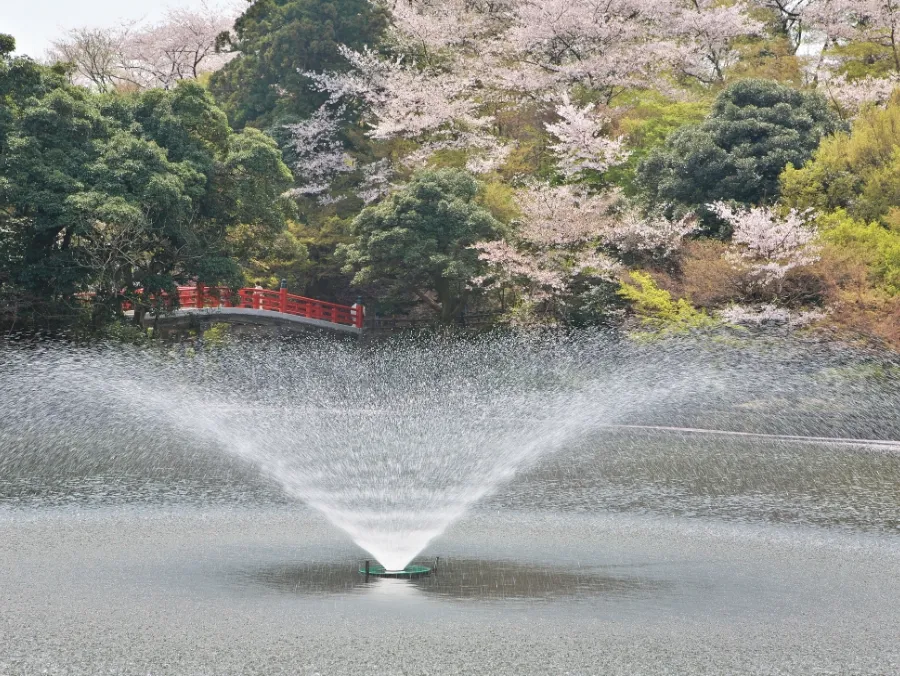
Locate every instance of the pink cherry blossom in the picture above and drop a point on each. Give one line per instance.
(320, 156)
(180, 46)
(637, 233)
(769, 314)
(581, 143)
(772, 245)
(852, 96)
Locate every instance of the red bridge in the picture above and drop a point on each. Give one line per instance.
(262, 306)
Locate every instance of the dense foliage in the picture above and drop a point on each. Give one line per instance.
(123, 197)
(755, 129)
(276, 42)
(858, 171)
(676, 166)
(420, 240)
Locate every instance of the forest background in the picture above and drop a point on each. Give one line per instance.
(664, 166)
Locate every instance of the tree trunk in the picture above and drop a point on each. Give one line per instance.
(447, 300)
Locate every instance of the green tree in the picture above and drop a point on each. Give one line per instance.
(755, 129)
(277, 41)
(649, 118)
(857, 171)
(113, 193)
(266, 257)
(418, 241)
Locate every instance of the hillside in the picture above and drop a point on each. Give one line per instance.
(662, 167)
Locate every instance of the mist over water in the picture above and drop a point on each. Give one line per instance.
(394, 441)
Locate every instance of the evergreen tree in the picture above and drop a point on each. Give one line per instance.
(755, 129)
(420, 241)
(279, 40)
(109, 194)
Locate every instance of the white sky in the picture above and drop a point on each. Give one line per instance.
(35, 23)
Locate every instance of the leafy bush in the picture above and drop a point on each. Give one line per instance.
(755, 129)
(658, 311)
(708, 277)
(857, 171)
(874, 245)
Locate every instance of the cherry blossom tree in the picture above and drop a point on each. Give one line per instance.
(769, 314)
(457, 62)
(874, 21)
(542, 275)
(647, 235)
(581, 143)
(565, 231)
(376, 182)
(770, 244)
(95, 53)
(613, 44)
(850, 97)
(532, 272)
(433, 25)
(878, 21)
(599, 43)
(790, 16)
(706, 31)
(568, 216)
(564, 216)
(556, 241)
(319, 155)
(833, 19)
(180, 46)
(437, 109)
(402, 100)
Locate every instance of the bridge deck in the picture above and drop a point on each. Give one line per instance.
(238, 315)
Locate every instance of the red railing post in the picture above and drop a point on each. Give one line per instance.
(199, 294)
(282, 299)
(358, 313)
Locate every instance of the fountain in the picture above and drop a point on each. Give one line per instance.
(392, 442)
(599, 506)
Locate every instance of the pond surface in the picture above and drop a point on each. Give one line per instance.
(636, 552)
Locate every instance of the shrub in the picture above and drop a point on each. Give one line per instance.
(756, 128)
(658, 311)
(708, 277)
(859, 171)
(873, 245)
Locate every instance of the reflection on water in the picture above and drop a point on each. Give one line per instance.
(457, 579)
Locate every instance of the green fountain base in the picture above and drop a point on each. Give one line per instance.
(412, 570)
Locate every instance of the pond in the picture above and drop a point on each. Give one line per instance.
(646, 542)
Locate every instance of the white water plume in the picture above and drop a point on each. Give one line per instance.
(392, 442)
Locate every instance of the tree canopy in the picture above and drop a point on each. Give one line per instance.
(754, 130)
(419, 241)
(276, 42)
(111, 194)
(858, 171)
(608, 138)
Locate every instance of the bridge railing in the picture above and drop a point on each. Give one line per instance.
(273, 301)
